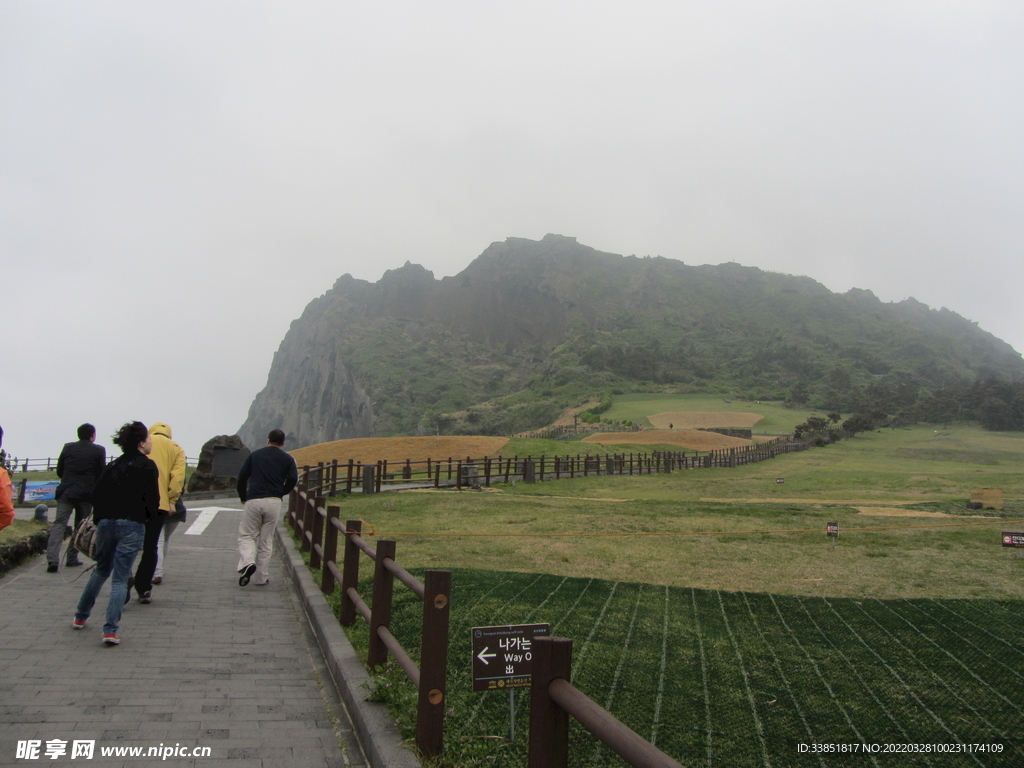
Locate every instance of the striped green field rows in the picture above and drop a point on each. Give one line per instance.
(742, 679)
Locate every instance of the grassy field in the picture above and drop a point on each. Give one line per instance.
(718, 678)
(899, 497)
(714, 617)
(776, 419)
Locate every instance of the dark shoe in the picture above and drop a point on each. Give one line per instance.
(51, 568)
(247, 573)
(128, 593)
(75, 564)
(158, 579)
(146, 598)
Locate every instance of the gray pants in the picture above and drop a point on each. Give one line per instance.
(256, 536)
(82, 510)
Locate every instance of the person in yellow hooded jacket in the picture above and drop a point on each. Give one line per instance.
(170, 461)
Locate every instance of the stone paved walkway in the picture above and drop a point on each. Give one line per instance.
(207, 664)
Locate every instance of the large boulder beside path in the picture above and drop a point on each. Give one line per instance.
(219, 461)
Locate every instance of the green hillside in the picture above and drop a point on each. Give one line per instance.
(532, 328)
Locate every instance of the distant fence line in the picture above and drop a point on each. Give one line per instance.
(346, 477)
(566, 431)
(50, 464)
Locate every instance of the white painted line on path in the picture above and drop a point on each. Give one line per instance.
(206, 515)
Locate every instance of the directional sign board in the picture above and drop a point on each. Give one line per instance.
(503, 656)
(1013, 539)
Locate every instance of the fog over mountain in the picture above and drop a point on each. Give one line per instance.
(532, 327)
(178, 179)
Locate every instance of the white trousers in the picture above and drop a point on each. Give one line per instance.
(161, 549)
(256, 536)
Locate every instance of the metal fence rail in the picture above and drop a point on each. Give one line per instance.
(49, 464)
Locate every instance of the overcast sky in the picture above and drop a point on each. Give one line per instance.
(178, 180)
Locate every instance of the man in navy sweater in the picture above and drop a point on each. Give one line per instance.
(267, 475)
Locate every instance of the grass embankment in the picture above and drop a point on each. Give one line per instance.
(20, 530)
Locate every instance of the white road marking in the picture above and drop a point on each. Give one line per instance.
(206, 515)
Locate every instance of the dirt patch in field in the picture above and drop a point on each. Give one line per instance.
(838, 502)
(370, 450)
(684, 438)
(704, 419)
(897, 512)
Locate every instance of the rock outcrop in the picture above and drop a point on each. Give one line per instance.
(219, 461)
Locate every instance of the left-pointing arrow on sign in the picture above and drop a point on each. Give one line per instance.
(484, 655)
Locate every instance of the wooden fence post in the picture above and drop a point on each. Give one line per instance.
(549, 723)
(308, 513)
(330, 548)
(380, 611)
(369, 479)
(349, 573)
(318, 532)
(437, 590)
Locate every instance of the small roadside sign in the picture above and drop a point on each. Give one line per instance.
(831, 529)
(503, 656)
(1013, 539)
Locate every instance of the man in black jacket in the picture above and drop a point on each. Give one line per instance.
(267, 474)
(79, 466)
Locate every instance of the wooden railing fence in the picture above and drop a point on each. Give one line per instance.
(337, 477)
(553, 699)
(317, 528)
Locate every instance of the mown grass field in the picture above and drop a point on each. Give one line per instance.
(731, 646)
(718, 678)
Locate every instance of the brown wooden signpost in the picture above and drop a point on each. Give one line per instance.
(503, 659)
(503, 656)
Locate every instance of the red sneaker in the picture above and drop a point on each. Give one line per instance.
(76, 624)
(111, 639)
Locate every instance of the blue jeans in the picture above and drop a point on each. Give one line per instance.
(117, 543)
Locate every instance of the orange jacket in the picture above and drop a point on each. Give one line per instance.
(6, 499)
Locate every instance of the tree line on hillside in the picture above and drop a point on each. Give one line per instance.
(996, 405)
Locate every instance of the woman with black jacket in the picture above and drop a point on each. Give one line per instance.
(125, 497)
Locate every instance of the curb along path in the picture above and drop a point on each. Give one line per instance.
(208, 664)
